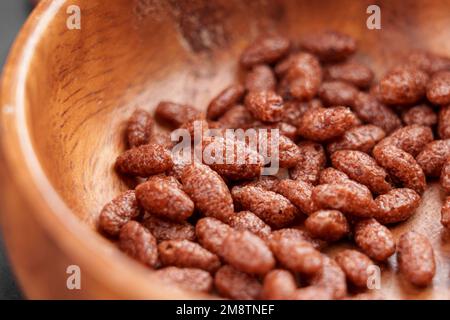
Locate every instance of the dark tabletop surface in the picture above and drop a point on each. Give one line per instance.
(12, 15)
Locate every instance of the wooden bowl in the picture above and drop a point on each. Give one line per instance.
(65, 95)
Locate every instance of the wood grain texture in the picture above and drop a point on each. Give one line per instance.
(65, 95)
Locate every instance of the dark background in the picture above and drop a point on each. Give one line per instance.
(13, 13)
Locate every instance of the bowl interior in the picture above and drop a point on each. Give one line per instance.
(86, 82)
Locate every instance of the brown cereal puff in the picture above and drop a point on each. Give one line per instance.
(162, 196)
(294, 110)
(296, 254)
(312, 293)
(295, 234)
(326, 124)
(298, 192)
(118, 212)
(421, 115)
(187, 254)
(354, 73)
(186, 278)
(444, 122)
(237, 117)
(144, 161)
(403, 85)
(416, 258)
(374, 239)
(139, 129)
(445, 213)
(370, 110)
(278, 284)
(338, 93)
(302, 76)
(246, 220)
(349, 197)
(175, 114)
(272, 208)
(328, 225)
(266, 49)
(234, 284)
(311, 162)
(433, 156)
(362, 168)
(224, 101)
(445, 176)
(396, 205)
(169, 230)
(362, 138)
(411, 139)
(285, 129)
(429, 62)
(211, 234)
(232, 159)
(265, 182)
(208, 191)
(260, 78)
(247, 252)
(402, 166)
(438, 89)
(329, 45)
(288, 152)
(331, 278)
(161, 138)
(265, 105)
(355, 266)
(332, 175)
(138, 243)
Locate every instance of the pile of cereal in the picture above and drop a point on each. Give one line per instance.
(355, 155)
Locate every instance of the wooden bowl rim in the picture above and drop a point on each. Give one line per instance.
(23, 166)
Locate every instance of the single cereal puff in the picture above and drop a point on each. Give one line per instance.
(445, 213)
(118, 212)
(266, 49)
(362, 138)
(140, 128)
(331, 278)
(438, 89)
(374, 239)
(332, 175)
(370, 110)
(169, 230)
(226, 99)
(208, 191)
(144, 161)
(354, 73)
(326, 124)
(139, 243)
(428, 61)
(298, 192)
(186, 278)
(433, 156)
(445, 176)
(411, 139)
(416, 258)
(403, 85)
(265, 105)
(294, 110)
(402, 166)
(362, 168)
(260, 78)
(338, 93)
(397, 205)
(234, 284)
(246, 220)
(162, 196)
(311, 162)
(272, 208)
(247, 252)
(328, 225)
(211, 234)
(187, 254)
(175, 114)
(355, 265)
(421, 115)
(444, 122)
(296, 234)
(278, 284)
(329, 45)
(237, 117)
